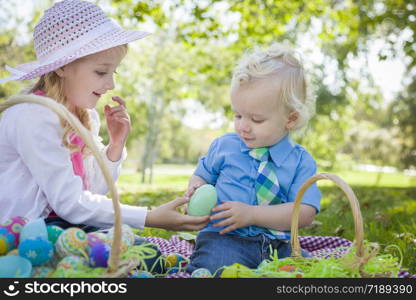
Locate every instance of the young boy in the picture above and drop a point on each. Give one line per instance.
(257, 170)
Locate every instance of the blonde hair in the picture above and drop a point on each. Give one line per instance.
(52, 85)
(283, 64)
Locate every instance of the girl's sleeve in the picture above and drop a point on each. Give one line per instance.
(95, 177)
(306, 169)
(38, 140)
(209, 166)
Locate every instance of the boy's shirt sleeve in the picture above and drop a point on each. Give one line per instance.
(209, 166)
(306, 169)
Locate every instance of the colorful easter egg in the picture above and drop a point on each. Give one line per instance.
(6, 243)
(175, 260)
(15, 267)
(95, 238)
(53, 233)
(127, 237)
(140, 274)
(72, 241)
(71, 262)
(34, 229)
(202, 201)
(39, 251)
(99, 254)
(201, 273)
(14, 226)
(42, 272)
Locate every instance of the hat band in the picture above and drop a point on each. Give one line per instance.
(69, 50)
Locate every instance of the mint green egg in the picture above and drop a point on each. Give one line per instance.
(202, 201)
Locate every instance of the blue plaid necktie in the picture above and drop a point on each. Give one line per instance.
(267, 184)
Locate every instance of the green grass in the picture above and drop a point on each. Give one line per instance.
(388, 208)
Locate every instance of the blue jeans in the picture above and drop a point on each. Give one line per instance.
(150, 262)
(213, 251)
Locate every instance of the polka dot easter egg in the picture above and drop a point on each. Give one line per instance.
(72, 241)
(38, 251)
(14, 226)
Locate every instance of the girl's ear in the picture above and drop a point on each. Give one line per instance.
(60, 72)
(292, 120)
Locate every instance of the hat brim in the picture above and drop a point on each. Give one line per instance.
(110, 39)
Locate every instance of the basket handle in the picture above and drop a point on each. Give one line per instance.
(355, 206)
(86, 135)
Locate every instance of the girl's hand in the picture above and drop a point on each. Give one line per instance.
(235, 215)
(167, 217)
(118, 122)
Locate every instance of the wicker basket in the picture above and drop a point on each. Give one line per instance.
(361, 256)
(116, 268)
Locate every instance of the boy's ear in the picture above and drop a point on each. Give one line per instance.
(60, 72)
(292, 120)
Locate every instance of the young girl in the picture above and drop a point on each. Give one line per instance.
(45, 170)
(258, 170)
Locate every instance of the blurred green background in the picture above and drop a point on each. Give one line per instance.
(360, 57)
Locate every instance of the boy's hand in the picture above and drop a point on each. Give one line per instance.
(235, 215)
(194, 183)
(192, 188)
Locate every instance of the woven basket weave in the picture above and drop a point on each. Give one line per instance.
(116, 268)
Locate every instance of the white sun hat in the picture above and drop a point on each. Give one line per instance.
(69, 30)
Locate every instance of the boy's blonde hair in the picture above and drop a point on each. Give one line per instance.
(52, 85)
(283, 64)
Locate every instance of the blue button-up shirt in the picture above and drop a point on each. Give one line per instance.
(229, 167)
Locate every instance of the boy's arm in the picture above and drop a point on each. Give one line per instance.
(234, 215)
(279, 217)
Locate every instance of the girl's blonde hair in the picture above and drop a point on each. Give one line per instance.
(285, 65)
(52, 85)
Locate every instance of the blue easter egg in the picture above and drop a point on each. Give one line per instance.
(34, 229)
(201, 273)
(39, 251)
(15, 267)
(99, 255)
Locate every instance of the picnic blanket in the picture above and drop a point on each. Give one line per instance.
(317, 246)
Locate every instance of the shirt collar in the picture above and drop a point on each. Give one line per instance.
(278, 151)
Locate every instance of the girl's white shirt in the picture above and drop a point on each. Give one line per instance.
(36, 173)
